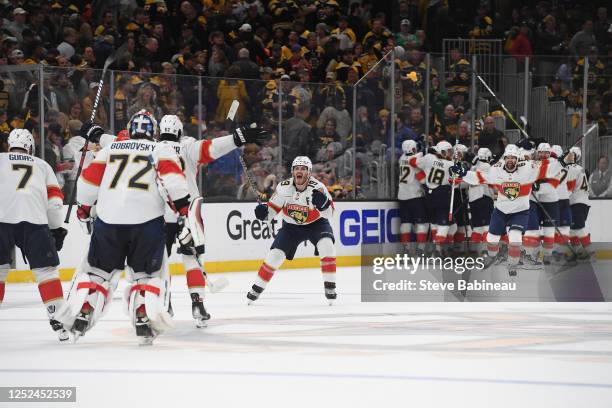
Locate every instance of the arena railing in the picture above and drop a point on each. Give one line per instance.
(393, 98)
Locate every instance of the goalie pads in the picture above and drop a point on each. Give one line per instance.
(90, 288)
(154, 293)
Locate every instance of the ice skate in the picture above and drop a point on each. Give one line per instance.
(330, 292)
(62, 334)
(198, 311)
(81, 323)
(254, 293)
(143, 327)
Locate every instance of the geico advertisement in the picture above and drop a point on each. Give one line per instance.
(233, 232)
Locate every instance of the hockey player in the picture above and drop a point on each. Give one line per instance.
(305, 206)
(578, 187)
(481, 202)
(123, 182)
(192, 154)
(458, 230)
(411, 201)
(438, 189)
(31, 207)
(545, 193)
(513, 181)
(566, 178)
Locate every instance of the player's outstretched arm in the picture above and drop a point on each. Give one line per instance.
(206, 151)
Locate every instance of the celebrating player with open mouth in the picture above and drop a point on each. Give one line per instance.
(306, 207)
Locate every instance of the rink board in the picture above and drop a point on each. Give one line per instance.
(237, 241)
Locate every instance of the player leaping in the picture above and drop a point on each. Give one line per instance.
(305, 206)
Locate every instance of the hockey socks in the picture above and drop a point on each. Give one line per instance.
(265, 273)
(328, 269)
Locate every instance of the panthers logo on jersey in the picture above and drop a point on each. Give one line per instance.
(511, 190)
(298, 212)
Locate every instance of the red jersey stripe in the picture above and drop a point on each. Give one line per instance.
(94, 172)
(54, 191)
(205, 156)
(168, 166)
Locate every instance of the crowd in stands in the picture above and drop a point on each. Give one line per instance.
(294, 66)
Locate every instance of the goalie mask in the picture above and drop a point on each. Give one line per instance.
(142, 125)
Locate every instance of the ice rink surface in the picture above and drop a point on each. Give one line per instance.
(290, 349)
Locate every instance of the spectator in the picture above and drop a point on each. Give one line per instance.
(599, 182)
(583, 40)
(218, 64)
(18, 24)
(296, 135)
(247, 68)
(231, 89)
(601, 27)
(67, 47)
(53, 152)
(490, 136)
(521, 46)
(338, 112)
(88, 102)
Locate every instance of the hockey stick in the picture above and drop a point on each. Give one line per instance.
(107, 63)
(502, 106)
(252, 185)
(213, 286)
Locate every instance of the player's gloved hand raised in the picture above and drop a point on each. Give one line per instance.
(92, 132)
(186, 244)
(320, 200)
(84, 213)
(250, 134)
(525, 144)
(458, 170)
(261, 212)
(58, 236)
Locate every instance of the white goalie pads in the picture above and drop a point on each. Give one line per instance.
(156, 299)
(100, 299)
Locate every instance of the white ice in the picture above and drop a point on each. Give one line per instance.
(290, 349)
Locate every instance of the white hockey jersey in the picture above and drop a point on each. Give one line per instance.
(546, 188)
(193, 153)
(566, 178)
(29, 191)
(409, 180)
(295, 206)
(513, 187)
(478, 191)
(436, 170)
(122, 180)
(578, 186)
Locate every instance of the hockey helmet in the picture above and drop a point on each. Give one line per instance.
(577, 153)
(171, 124)
(557, 151)
(512, 151)
(302, 161)
(409, 146)
(484, 154)
(544, 147)
(21, 139)
(142, 125)
(443, 145)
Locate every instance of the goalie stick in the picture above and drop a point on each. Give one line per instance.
(214, 286)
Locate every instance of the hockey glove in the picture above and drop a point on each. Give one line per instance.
(84, 213)
(458, 170)
(320, 200)
(58, 236)
(186, 245)
(91, 132)
(525, 144)
(244, 134)
(261, 212)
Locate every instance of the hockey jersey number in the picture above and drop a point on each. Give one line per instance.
(27, 173)
(123, 160)
(436, 176)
